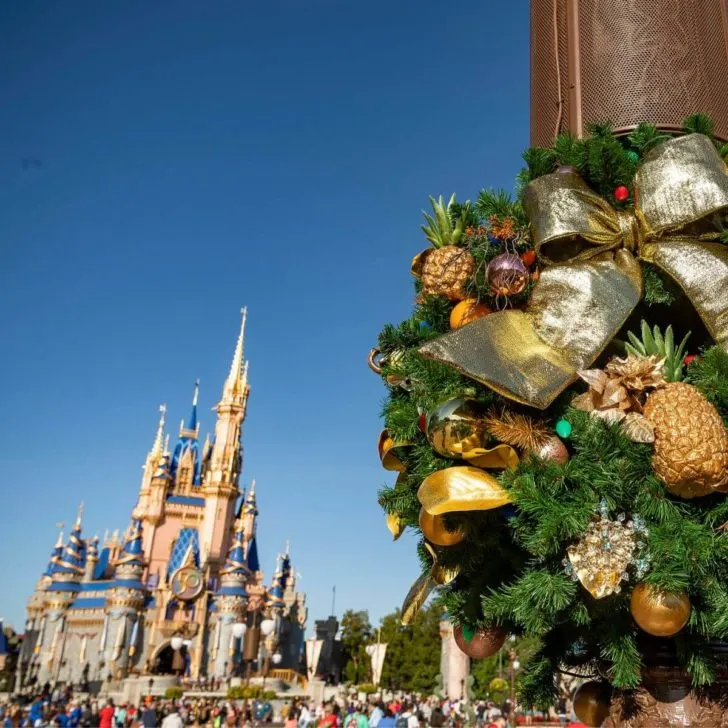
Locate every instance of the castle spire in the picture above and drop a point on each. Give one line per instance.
(191, 428)
(159, 438)
(236, 382)
(250, 502)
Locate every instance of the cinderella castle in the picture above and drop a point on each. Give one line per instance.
(181, 592)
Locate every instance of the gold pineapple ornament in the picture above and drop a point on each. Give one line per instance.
(446, 268)
(691, 441)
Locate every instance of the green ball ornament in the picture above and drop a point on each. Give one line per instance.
(633, 156)
(563, 428)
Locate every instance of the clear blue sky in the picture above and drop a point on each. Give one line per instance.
(196, 156)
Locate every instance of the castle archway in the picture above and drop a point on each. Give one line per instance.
(167, 661)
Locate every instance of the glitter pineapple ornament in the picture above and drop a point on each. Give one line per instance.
(691, 441)
(445, 269)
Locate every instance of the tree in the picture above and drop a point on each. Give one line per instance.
(412, 661)
(355, 634)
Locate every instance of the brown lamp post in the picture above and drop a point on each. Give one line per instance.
(626, 62)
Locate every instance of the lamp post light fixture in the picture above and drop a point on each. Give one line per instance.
(515, 665)
(267, 626)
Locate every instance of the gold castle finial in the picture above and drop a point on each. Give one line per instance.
(80, 514)
(157, 447)
(237, 379)
(288, 547)
(197, 393)
(59, 542)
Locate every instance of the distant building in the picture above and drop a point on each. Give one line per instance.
(330, 663)
(187, 568)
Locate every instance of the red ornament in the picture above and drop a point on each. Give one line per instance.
(621, 193)
(422, 422)
(529, 257)
(689, 359)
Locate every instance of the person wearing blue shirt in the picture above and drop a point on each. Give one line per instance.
(36, 710)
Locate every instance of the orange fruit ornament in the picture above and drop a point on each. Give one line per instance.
(466, 312)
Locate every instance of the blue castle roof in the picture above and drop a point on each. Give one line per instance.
(132, 552)
(73, 558)
(55, 555)
(188, 442)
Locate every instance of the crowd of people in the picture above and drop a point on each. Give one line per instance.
(61, 709)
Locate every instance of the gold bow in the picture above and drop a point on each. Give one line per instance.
(592, 279)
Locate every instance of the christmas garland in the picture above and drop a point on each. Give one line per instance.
(583, 507)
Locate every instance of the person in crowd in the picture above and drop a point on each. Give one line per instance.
(106, 715)
(328, 719)
(149, 714)
(173, 718)
(376, 715)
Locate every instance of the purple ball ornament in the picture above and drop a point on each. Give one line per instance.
(507, 275)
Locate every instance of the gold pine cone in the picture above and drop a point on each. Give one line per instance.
(691, 442)
(447, 271)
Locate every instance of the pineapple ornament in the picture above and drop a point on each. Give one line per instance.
(691, 441)
(445, 269)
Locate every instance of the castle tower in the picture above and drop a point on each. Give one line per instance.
(67, 571)
(147, 506)
(124, 603)
(232, 602)
(221, 486)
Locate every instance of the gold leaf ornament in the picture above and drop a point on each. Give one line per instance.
(461, 488)
(395, 525)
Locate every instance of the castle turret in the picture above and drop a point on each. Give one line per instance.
(231, 600)
(66, 574)
(185, 464)
(147, 504)
(124, 603)
(92, 559)
(221, 486)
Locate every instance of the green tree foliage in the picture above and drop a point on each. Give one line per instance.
(413, 656)
(355, 635)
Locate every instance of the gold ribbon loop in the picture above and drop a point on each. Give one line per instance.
(592, 278)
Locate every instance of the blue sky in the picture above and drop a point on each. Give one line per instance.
(162, 164)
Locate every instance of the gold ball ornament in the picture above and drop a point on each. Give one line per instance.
(554, 450)
(479, 643)
(591, 703)
(434, 530)
(456, 427)
(466, 312)
(659, 613)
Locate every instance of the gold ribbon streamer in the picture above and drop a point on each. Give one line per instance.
(387, 452)
(461, 488)
(419, 591)
(592, 279)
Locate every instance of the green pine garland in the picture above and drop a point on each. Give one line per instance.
(511, 559)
